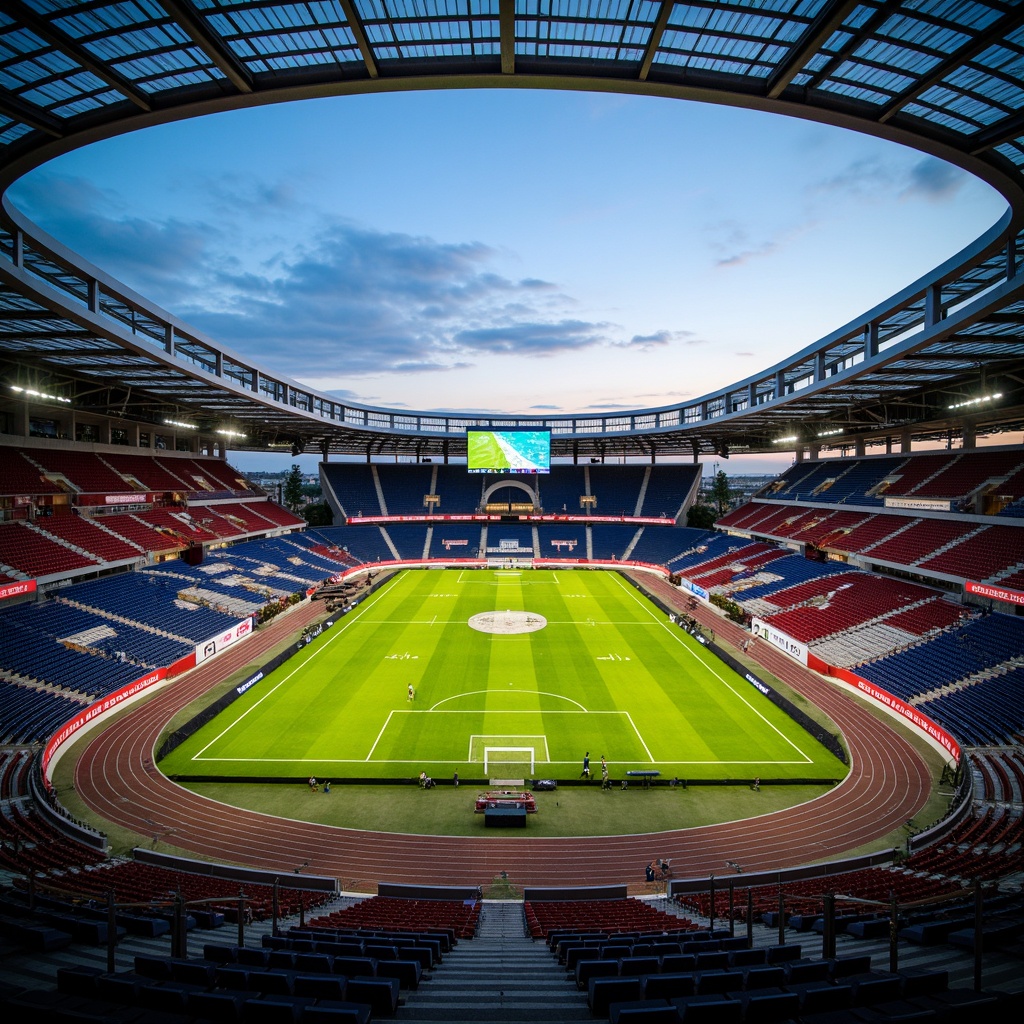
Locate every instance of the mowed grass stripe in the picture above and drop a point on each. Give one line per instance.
(651, 693)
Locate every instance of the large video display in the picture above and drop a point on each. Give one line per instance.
(509, 451)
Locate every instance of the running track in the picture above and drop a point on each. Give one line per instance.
(115, 776)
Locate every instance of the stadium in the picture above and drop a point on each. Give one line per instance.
(812, 712)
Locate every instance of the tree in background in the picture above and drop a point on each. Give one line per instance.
(720, 493)
(318, 514)
(700, 515)
(293, 489)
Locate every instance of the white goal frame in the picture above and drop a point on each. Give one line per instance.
(490, 752)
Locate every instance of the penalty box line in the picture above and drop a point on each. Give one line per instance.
(335, 632)
(711, 668)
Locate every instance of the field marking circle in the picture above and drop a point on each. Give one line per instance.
(539, 693)
(507, 622)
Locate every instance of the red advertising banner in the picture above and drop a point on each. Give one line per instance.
(69, 728)
(908, 711)
(17, 589)
(994, 592)
(525, 517)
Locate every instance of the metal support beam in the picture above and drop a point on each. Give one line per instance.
(999, 29)
(507, 24)
(655, 41)
(49, 32)
(359, 34)
(828, 20)
(17, 110)
(193, 24)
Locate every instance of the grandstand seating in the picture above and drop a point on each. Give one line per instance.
(408, 538)
(965, 651)
(404, 488)
(18, 475)
(27, 550)
(611, 542)
(983, 555)
(156, 474)
(918, 539)
(87, 473)
(29, 843)
(89, 536)
(543, 918)
(566, 540)
(29, 714)
(395, 914)
(139, 532)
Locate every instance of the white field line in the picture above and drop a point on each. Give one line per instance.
(650, 756)
(335, 632)
(675, 634)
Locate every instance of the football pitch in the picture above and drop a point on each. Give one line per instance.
(514, 674)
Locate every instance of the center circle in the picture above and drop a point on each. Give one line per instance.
(507, 622)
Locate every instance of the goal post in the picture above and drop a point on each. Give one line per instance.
(509, 762)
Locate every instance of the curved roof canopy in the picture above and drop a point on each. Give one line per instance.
(945, 76)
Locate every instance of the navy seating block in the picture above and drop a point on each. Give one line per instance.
(844, 966)
(335, 1012)
(381, 994)
(355, 966)
(602, 992)
(763, 977)
(650, 1011)
(709, 1009)
(668, 986)
(822, 996)
(634, 966)
(407, 972)
(717, 981)
(923, 981)
(587, 969)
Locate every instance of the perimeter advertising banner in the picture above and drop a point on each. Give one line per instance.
(17, 589)
(100, 707)
(995, 593)
(783, 641)
(215, 645)
(908, 711)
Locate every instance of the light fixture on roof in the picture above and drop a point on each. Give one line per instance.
(830, 433)
(180, 423)
(786, 440)
(224, 432)
(968, 402)
(40, 394)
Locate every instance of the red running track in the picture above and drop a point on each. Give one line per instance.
(115, 776)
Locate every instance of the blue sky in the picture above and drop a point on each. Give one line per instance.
(509, 250)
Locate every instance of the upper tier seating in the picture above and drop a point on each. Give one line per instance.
(19, 476)
(561, 489)
(919, 538)
(88, 473)
(275, 513)
(983, 555)
(667, 488)
(33, 553)
(154, 473)
(404, 488)
(354, 488)
(89, 536)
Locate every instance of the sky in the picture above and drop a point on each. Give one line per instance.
(509, 250)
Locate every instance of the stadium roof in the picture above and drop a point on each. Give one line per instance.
(944, 76)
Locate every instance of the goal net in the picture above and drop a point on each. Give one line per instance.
(509, 762)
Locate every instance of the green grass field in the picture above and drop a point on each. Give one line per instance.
(575, 661)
